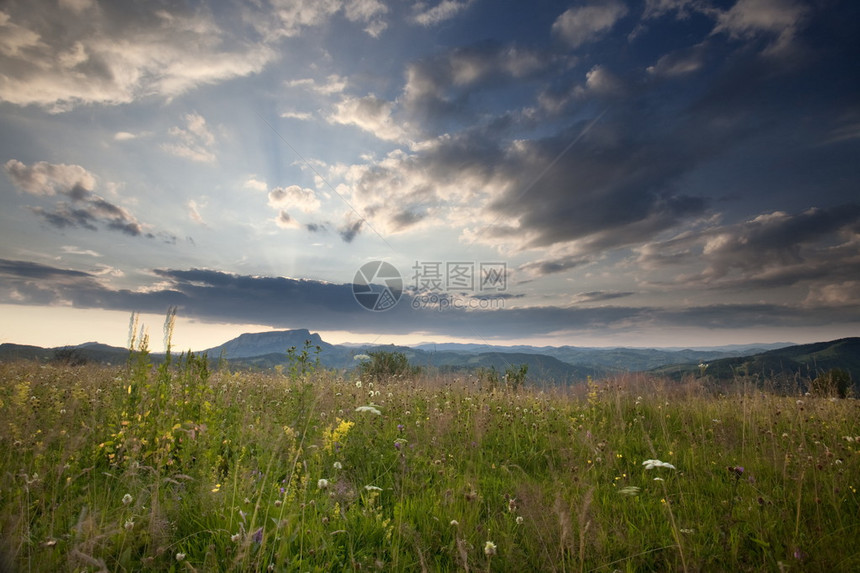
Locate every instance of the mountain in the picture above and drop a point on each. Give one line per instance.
(608, 360)
(277, 342)
(789, 367)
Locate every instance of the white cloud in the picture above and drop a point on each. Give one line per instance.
(749, 18)
(370, 114)
(584, 24)
(679, 63)
(48, 179)
(73, 250)
(444, 10)
(194, 212)
(193, 142)
(333, 84)
(299, 115)
(294, 197)
(255, 184)
(110, 57)
(292, 16)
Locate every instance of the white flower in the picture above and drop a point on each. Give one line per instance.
(630, 490)
(358, 383)
(180, 557)
(372, 488)
(519, 520)
(490, 548)
(322, 483)
(236, 537)
(127, 499)
(455, 523)
(371, 409)
(129, 525)
(338, 465)
(651, 464)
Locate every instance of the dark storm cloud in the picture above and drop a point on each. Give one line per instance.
(774, 249)
(217, 296)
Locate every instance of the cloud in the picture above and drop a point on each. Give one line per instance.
(333, 84)
(86, 210)
(598, 296)
(440, 86)
(284, 221)
(194, 142)
(294, 197)
(370, 114)
(679, 63)
(115, 53)
(48, 179)
(350, 229)
(194, 212)
(73, 250)
(255, 184)
(444, 10)
(279, 18)
(818, 247)
(217, 296)
(750, 18)
(584, 24)
(299, 115)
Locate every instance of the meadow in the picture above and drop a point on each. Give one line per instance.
(189, 467)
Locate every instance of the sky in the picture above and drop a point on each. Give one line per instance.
(604, 173)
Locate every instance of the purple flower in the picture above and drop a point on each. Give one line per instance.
(397, 445)
(399, 427)
(258, 536)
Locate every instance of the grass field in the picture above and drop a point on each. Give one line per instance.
(181, 468)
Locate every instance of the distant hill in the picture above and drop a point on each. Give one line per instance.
(790, 366)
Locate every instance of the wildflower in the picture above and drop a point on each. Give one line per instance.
(236, 537)
(128, 525)
(322, 483)
(278, 503)
(372, 488)
(736, 470)
(519, 520)
(455, 523)
(127, 499)
(258, 536)
(358, 383)
(216, 488)
(338, 465)
(630, 490)
(180, 557)
(651, 464)
(372, 409)
(687, 530)
(489, 548)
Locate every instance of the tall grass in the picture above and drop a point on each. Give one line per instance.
(181, 468)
